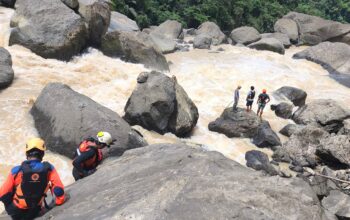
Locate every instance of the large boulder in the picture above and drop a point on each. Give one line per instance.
(266, 137)
(245, 35)
(167, 181)
(259, 161)
(290, 129)
(212, 31)
(64, 117)
(159, 103)
(165, 45)
(238, 123)
(334, 151)
(324, 112)
(288, 27)
(202, 42)
(6, 71)
(295, 95)
(270, 44)
(48, 28)
(332, 56)
(283, 38)
(283, 110)
(169, 29)
(120, 22)
(136, 47)
(97, 15)
(337, 203)
(342, 39)
(314, 30)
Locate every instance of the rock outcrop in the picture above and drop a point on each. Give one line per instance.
(212, 31)
(136, 47)
(259, 161)
(178, 182)
(332, 56)
(290, 129)
(283, 38)
(288, 27)
(337, 203)
(245, 35)
(270, 44)
(120, 22)
(324, 112)
(295, 95)
(48, 28)
(64, 117)
(6, 71)
(334, 151)
(159, 103)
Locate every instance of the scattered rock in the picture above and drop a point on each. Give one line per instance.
(283, 38)
(270, 44)
(338, 204)
(283, 110)
(211, 31)
(290, 129)
(325, 112)
(281, 155)
(169, 29)
(202, 42)
(334, 151)
(136, 47)
(220, 49)
(73, 4)
(65, 32)
(162, 105)
(289, 27)
(120, 22)
(245, 35)
(259, 161)
(295, 95)
(266, 137)
(178, 182)
(332, 56)
(64, 117)
(6, 71)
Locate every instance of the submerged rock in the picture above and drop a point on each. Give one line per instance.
(159, 103)
(167, 181)
(211, 31)
(64, 117)
(6, 71)
(295, 95)
(270, 44)
(245, 35)
(48, 28)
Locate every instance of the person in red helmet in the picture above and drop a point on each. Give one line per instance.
(263, 99)
(23, 193)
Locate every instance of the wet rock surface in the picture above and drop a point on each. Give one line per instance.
(295, 95)
(6, 71)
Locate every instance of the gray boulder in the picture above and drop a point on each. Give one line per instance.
(337, 203)
(288, 27)
(159, 103)
(314, 30)
(283, 110)
(73, 4)
(334, 151)
(295, 95)
(97, 16)
(345, 130)
(64, 117)
(283, 38)
(270, 44)
(8, 3)
(136, 47)
(259, 161)
(165, 45)
(48, 28)
(6, 71)
(324, 112)
(202, 42)
(266, 137)
(290, 129)
(245, 35)
(120, 22)
(332, 56)
(238, 123)
(212, 31)
(342, 39)
(178, 182)
(169, 29)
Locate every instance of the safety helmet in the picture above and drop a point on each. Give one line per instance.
(264, 91)
(104, 137)
(35, 143)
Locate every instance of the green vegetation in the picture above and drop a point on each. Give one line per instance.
(229, 14)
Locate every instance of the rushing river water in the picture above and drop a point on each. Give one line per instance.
(208, 77)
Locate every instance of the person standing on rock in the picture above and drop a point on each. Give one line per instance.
(263, 99)
(250, 98)
(236, 98)
(24, 190)
(89, 154)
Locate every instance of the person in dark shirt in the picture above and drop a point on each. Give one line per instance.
(250, 98)
(263, 99)
(89, 154)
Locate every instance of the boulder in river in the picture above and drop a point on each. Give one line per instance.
(288, 27)
(266, 137)
(202, 42)
(48, 28)
(6, 71)
(270, 44)
(212, 31)
(245, 35)
(167, 181)
(136, 47)
(159, 103)
(326, 113)
(170, 29)
(295, 95)
(283, 38)
(64, 118)
(283, 110)
(165, 45)
(120, 22)
(73, 4)
(259, 161)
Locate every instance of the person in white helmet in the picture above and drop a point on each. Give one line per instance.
(89, 154)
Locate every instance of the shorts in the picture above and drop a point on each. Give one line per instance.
(250, 103)
(261, 106)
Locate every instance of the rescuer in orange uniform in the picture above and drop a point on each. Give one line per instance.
(24, 190)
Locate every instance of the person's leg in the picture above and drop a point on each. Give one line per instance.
(76, 174)
(14, 212)
(235, 105)
(32, 213)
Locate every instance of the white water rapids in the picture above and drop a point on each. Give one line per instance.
(208, 78)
